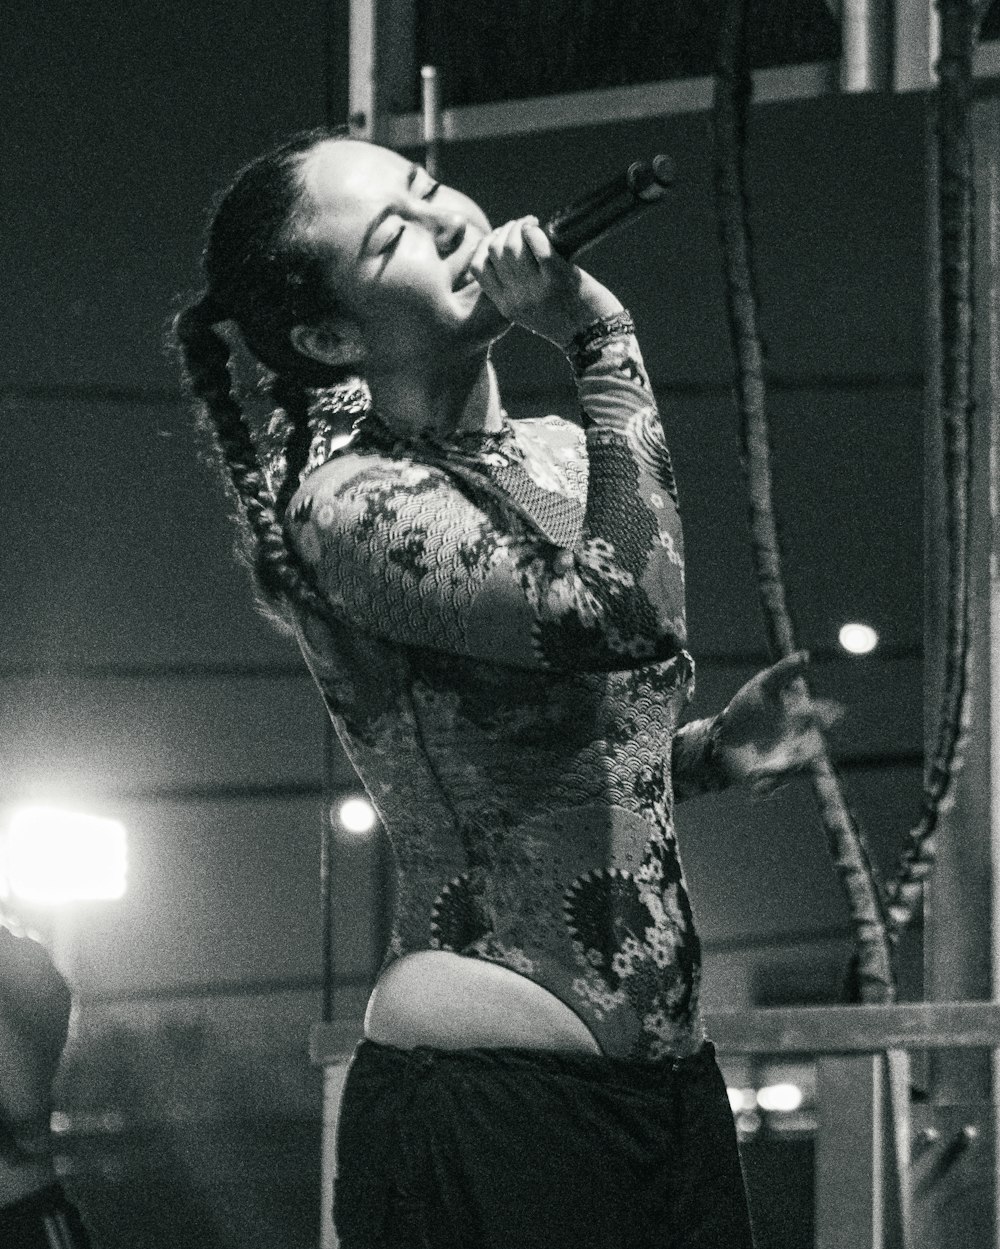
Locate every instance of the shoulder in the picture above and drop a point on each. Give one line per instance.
(351, 490)
(368, 505)
(353, 480)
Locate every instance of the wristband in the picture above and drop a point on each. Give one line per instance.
(580, 349)
(696, 767)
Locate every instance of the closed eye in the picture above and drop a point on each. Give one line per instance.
(387, 250)
(393, 243)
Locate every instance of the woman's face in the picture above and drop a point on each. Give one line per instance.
(399, 245)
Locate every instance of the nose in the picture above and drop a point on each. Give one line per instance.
(449, 232)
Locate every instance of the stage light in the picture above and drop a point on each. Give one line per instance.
(857, 638)
(779, 1098)
(356, 815)
(741, 1100)
(50, 856)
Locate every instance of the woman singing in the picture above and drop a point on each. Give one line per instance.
(494, 613)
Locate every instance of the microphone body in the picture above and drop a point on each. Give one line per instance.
(644, 183)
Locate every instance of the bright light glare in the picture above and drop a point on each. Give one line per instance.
(780, 1098)
(741, 1099)
(357, 815)
(51, 856)
(859, 639)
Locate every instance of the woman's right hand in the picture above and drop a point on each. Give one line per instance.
(532, 286)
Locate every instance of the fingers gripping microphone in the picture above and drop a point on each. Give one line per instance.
(576, 227)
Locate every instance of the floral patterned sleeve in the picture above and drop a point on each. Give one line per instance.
(632, 516)
(472, 557)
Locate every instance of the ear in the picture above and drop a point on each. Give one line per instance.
(333, 342)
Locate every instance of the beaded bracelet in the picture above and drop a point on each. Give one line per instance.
(580, 348)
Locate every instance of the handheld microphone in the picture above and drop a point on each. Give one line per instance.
(576, 227)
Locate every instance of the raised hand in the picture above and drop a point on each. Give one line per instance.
(534, 287)
(772, 728)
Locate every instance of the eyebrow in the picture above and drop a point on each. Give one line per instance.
(387, 211)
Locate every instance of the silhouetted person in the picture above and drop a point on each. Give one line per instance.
(35, 1212)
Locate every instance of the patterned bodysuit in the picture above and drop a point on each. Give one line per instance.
(504, 665)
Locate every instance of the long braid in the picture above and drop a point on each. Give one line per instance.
(278, 575)
(266, 276)
(291, 396)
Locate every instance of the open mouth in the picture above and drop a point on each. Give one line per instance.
(463, 279)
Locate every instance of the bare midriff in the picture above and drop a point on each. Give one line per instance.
(450, 1001)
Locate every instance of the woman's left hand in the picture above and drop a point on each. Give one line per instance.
(772, 727)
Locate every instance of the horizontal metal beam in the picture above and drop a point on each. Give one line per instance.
(639, 102)
(857, 1029)
(73, 670)
(236, 791)
(612, 104)
(295, 669)
(15, 393)
(794, 1030)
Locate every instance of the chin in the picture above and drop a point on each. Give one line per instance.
(486, 322)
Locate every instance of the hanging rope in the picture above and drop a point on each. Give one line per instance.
(952, 380)
(873, 974)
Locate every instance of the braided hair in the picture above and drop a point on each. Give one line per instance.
(262, 276)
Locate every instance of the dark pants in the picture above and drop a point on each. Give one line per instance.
(529, 1149)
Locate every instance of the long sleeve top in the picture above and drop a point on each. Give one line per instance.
(503, 659)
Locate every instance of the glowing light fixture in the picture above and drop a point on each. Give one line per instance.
(741, 1099)
(356, 815)
(51, 856)
(780, 1098)
(857, 638)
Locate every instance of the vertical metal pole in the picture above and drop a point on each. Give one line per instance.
(956, 1200)
(361, 93)
(334, 1075)
(381, 64)
(986, 117)
(864, 41)
(849, 1151)
(335, 56)
(430, 100)
(897, 1206)
(916, 45)
(332, 1080)
(326, 868)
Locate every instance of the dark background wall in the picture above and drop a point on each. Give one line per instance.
(137, 680)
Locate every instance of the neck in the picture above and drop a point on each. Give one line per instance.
(445, 401)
